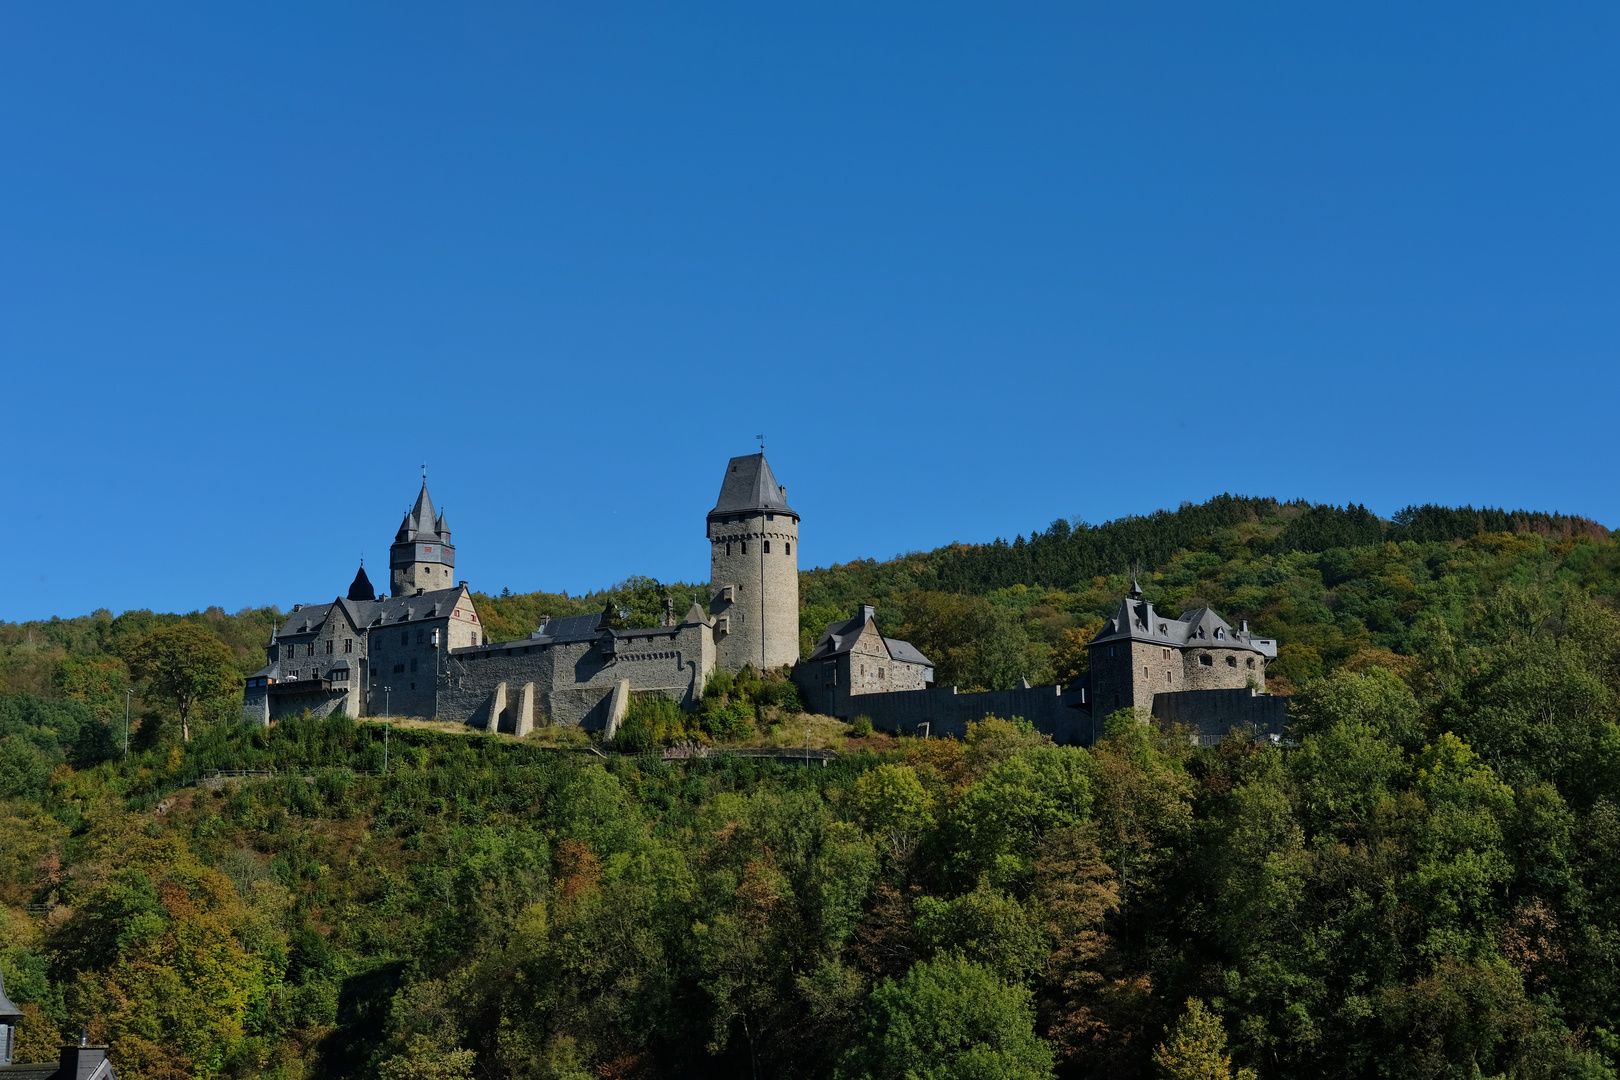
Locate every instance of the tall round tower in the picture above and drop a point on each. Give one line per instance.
(422, 558)
(754, 569)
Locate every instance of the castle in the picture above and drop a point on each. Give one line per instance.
(422, 650)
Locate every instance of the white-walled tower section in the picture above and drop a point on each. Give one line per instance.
(754, 569)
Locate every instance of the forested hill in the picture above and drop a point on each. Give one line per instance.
(1335, 585)
(1422, 883)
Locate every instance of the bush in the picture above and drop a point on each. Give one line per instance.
(862, 727)
(651, 721)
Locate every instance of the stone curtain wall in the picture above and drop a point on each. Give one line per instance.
(947, 712)
(763, 612)
(1213, 713)
(572, 681)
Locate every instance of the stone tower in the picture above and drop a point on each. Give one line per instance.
(754, 569)
(422, 558)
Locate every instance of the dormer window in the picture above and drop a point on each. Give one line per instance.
(1220, 634)
(1162, 629)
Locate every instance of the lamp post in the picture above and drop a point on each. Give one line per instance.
(388, 717)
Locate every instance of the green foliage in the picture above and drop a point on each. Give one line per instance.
(949, 1019)
(1195, 1049)
(1422, 883)
(184, 665)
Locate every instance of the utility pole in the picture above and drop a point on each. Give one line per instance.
(807, 746)
(127, 694)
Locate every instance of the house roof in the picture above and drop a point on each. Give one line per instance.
(750, 486)
(1137, 621)
(365, 614)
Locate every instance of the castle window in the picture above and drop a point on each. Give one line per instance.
(399, 669)
(1231, 661)
(1220, 634)
(348, 645)
(1206, 661)
(787, 549)
(292, 674)
(1110, 651)
(745, 547)
(1144, 671)
(770, 517)
(767, 547)
(1167, 654)
(1167, 678)
(329, 645)
(1162, 630)
(728, 549)
(340, 674)
(1251, 663)
(413, 665)
(880, 674)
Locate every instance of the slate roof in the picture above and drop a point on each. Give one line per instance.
(571, 628)
(365, 614)
(360, 588)
(840, 637)
(42, 1071)
(422, 522)
(1137, 621)
(749, 487)
(8, 1011)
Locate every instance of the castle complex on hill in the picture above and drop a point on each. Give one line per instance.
(422, 650)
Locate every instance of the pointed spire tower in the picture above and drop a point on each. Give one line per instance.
(422, 558)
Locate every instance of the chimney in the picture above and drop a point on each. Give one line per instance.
(80, 1062)
(867, 612)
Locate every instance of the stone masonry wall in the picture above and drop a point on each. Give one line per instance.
(1213, 713)
(573, 680)
(1133, 674)
(762, 614)
(1228, 669)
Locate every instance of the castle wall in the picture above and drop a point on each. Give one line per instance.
(1228, 669)
(1213, 713)
(754, 592)
(572, 681)
(946, 712)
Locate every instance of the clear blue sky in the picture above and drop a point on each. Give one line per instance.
(970, 269)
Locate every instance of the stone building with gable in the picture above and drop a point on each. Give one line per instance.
(1140, 654)
(852, 659)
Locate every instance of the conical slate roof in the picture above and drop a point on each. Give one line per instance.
(419, 520)
(361, 588)
(749, 486)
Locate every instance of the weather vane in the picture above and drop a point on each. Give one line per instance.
(761, 439)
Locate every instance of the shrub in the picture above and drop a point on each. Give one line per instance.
(862, 727)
